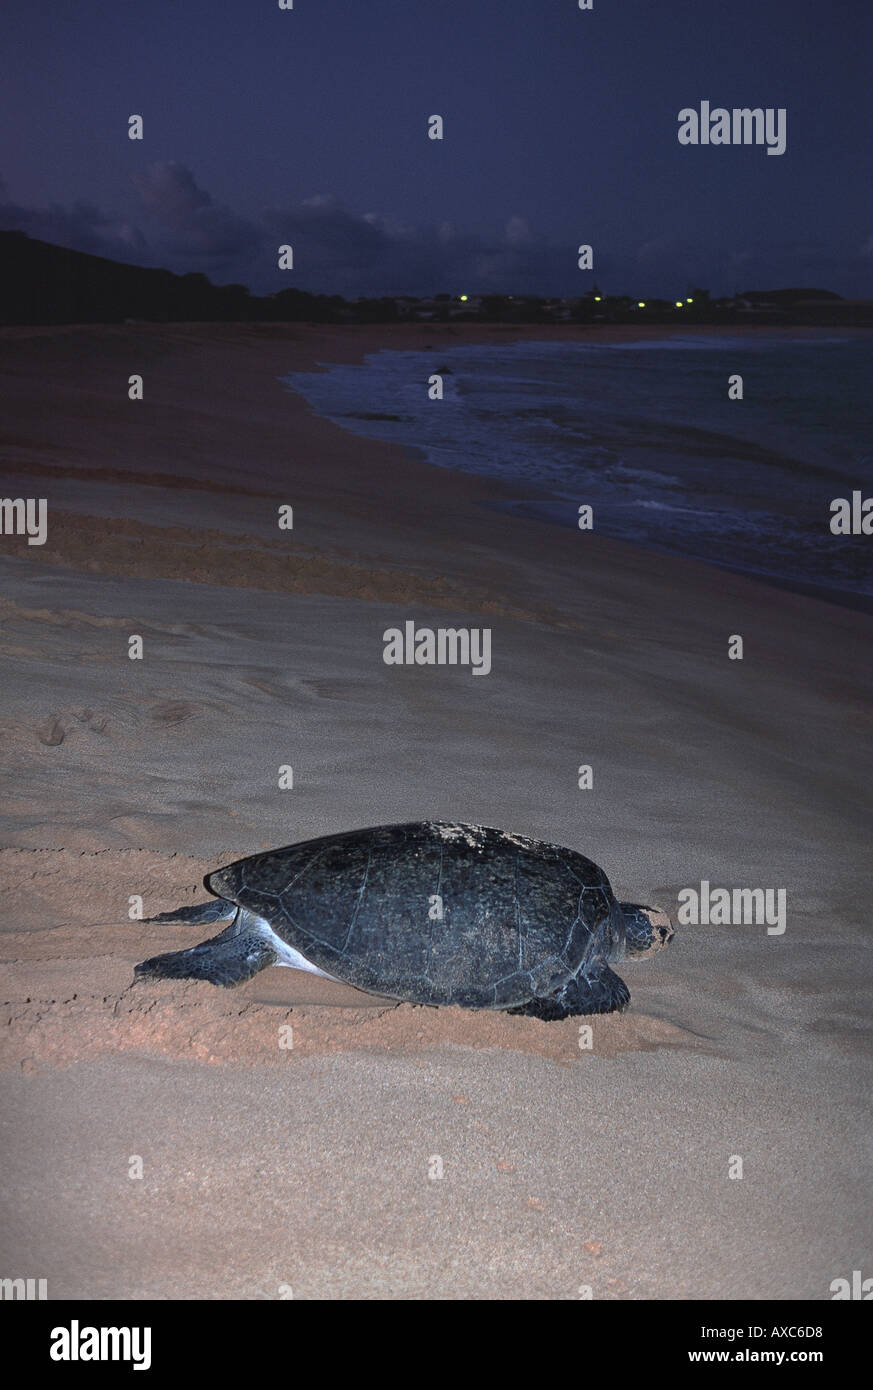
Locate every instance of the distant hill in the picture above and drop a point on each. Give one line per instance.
(42, 283)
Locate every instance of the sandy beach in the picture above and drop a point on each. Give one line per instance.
(267, 1167)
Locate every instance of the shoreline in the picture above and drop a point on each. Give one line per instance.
(401, 469)
(540, 503)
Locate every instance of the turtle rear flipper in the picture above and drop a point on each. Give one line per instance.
(601, 991)
(226, 960)
(216, 910)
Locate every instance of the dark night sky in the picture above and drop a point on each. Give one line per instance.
(309, 126)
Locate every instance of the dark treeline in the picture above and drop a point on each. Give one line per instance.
(45, 284)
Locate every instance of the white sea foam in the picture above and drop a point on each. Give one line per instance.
(645, 434)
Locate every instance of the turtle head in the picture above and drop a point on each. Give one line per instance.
(647, 930)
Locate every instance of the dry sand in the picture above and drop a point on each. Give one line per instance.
(266, 1166)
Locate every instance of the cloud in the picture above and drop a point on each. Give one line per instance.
(81, 226)
(183, 219)
(175, 223)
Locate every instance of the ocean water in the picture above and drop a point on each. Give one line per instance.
(645, 434)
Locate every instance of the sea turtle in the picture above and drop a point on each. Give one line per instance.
(429, 912)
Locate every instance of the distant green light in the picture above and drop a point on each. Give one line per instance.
(463, 298)
(641, 304)
(597, 298)
(679, 304)
(689, 301)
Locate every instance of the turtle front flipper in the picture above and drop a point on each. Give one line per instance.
(600, 991)
(226, 960)
(216, 910)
